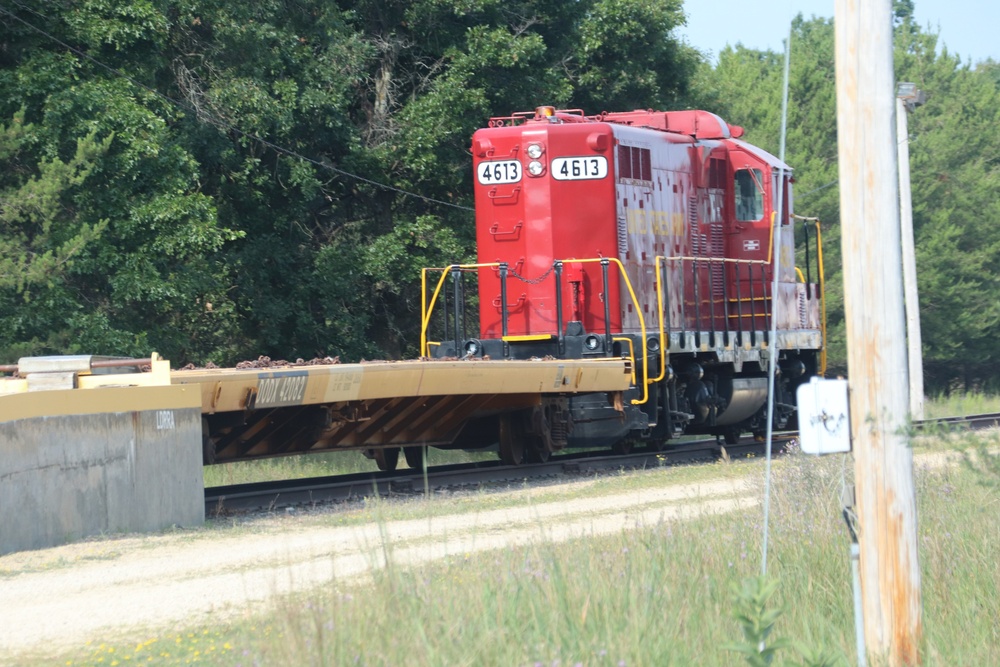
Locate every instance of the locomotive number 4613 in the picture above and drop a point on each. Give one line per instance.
(579, 168)
(499, 172)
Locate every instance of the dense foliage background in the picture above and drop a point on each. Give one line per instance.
(206, 177)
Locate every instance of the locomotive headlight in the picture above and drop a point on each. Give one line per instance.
(535, 168)
(534, 151)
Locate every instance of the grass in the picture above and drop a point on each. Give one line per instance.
(961, 405)
(662, 595)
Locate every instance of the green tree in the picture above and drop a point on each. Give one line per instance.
(954, 172)
(222, 241)
(37, 226)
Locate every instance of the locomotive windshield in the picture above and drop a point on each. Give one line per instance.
(749, 198)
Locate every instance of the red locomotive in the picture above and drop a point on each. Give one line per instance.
(648, 234)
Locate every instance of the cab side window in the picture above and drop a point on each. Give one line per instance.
(749, 198)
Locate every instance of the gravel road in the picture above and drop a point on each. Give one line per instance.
(62, 597)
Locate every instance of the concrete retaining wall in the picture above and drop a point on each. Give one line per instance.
(97, 461)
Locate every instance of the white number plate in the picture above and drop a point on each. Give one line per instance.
(498, 172)
(579, 168)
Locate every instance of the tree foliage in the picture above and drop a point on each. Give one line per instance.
(234, 206)
(953, 166)
(216, 180)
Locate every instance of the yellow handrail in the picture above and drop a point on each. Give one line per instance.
(427, 308)
(638, 312)
(822, 291)
(822, 302)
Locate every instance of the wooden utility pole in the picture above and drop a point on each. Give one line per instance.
(876, 350)
(908, 97)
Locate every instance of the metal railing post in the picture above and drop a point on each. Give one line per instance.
(456, 274)
(739, 306)
(607, 307)
(557, 269)
(697, 307)
(503, 309)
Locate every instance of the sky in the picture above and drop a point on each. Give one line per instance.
(967, 27)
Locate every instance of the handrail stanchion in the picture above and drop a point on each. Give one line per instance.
(739, 306)
(725, 303)
(753, 305)
(660, 264)
(713, 337)
(503, 308)
(805, 228)
(697, 307)
(423, 310)
(456, 273)
(684, 322)
(767, 312)
(607, 307)
(560, 341)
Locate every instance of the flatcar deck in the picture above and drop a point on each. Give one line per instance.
(260, 412)
(227, 390)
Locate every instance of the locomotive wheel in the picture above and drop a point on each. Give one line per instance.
(622, 447)
(386, 458)
(415, 457)
(511, 442)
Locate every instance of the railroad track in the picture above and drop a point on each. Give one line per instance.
(270, 496)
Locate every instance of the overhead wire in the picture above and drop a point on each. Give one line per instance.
(218, 122)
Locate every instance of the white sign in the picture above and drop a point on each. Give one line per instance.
(498, 172)
(751, 245)
(579, 168)
(824, 417)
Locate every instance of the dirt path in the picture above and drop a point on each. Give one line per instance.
(65, 596)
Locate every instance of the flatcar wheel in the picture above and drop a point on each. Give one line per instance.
(732, 436)
(386, 458)
(511, 442)
(536, 453)
(415, 457)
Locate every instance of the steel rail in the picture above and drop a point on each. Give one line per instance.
(270, 496)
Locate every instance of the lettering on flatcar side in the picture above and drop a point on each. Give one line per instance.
(344, 382)
(283, 390)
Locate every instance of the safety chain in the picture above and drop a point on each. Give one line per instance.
(531, 281)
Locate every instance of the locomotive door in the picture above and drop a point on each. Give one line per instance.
(748, 237)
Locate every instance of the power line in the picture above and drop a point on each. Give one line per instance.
(822, 187)
(223, 124)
